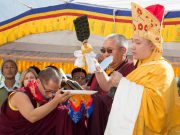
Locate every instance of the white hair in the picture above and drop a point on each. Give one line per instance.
(120, 40)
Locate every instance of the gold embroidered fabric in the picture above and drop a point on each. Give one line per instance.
(146, 25)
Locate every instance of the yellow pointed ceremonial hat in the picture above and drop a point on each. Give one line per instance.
(147, 22)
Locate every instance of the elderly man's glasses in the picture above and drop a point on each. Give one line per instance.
(108, 50)
(48, 90)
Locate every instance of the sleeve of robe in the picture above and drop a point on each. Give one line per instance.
(156, 100)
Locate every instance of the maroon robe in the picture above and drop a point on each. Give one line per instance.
(102, 102)
(55, 123)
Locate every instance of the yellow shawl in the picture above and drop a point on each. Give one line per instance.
(160, 106)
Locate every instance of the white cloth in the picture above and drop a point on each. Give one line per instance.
(89, 57)
(9, 89)
(125, 108)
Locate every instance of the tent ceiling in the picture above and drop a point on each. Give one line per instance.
(169, 5)
(12, 8)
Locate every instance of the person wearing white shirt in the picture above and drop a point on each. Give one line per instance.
(9, 70)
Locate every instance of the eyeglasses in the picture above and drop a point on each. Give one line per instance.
(47, 90)
(108, 50)
(79, 77)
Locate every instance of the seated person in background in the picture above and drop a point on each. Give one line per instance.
(27, 76)
(79, 75)
(36, 69)
(33, 110)
(9, 70)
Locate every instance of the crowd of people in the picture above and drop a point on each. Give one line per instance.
(9, 70)
(133, 98)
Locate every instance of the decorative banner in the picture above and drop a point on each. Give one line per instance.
(80, 106)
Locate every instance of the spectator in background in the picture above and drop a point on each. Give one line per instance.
(79, 75)
(9, 70)
(27, 76)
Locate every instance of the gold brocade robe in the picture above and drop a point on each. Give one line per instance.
(160, 106)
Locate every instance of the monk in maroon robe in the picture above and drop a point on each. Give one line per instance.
(116, 46)
(15, 120)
